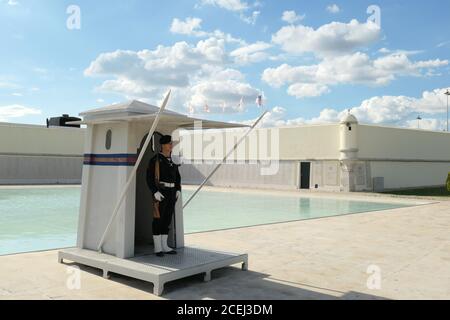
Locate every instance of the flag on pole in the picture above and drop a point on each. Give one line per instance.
(191, 108)
(206, 107)
(259, 101)
(241, 104)
(224, 106)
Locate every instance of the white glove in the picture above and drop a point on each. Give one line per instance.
(158, 196)
(178, 194)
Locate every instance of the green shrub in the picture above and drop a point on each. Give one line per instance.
(448, 182)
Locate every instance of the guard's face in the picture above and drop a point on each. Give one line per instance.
(167, 147)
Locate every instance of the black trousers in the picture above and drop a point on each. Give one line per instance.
(166, 210)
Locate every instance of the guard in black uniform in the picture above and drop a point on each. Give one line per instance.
(163, 179)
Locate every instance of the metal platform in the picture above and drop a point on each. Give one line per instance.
(158, 270)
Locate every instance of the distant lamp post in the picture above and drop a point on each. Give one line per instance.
(418, 122)
(447, 93)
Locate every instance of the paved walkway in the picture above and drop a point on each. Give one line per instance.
(313, 259)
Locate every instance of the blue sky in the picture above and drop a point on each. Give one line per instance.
(312, 60)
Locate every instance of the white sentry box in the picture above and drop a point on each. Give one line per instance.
(114, 139)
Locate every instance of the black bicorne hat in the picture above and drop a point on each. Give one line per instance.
(165, 139)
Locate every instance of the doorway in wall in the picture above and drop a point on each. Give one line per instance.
(305, 175)
(143, 236)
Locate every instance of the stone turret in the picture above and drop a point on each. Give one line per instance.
(348, 137)
(348, 147)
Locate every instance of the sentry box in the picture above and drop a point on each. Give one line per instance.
(115, 137)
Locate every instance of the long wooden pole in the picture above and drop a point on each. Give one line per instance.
(133, 173)
(223, 160)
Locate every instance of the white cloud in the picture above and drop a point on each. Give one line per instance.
(231, 5)
(250, 19)
(431, 102)
(237, 6)
(164, 66)
(251, 53)
(329, 39)
(442, 44)
(285, 74)
(13, 2)
(276, 118)
(333, 8)
(16, 111)
(292, 17)
(398, 111)
(222, 91)
(302, 90)
(225, 36)
(8, 85)
(273, 118)
(406, 52)
(357, 68)
(385, 109)
(401, 63)
(327, 115)
(198, 73)
(334, 45)
(245, 54)
(427, 124)
(190, 26)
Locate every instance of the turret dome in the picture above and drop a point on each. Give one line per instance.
(349, 119)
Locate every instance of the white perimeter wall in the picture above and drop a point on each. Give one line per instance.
(421, 158)
(293, 143)
(33, 154)
(314, 142)
(38, 140)
(36, 154)
(410, 174)
(386, 143)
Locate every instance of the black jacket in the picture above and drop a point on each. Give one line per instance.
(168, 172)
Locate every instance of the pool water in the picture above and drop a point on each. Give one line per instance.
(38, 219)
(33, 219)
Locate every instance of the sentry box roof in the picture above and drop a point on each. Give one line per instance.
(137, 111)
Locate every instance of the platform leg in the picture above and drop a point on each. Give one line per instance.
(106, 274)
(60, 260)
(158, 288)
(207, 276)
(244, 265)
